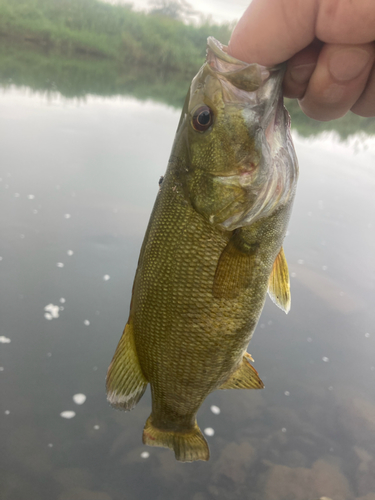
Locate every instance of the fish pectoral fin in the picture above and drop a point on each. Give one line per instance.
(188, 446)
(125, 380)
(245, 377)
(279, 284)
(235, 268)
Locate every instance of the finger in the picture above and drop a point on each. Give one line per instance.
(299, 70)
(365, 105)
(272, 31)
(338, 81)
(345, 21)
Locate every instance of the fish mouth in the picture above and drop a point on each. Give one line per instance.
(254, 87)
(244, 76)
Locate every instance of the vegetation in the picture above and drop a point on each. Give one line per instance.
(73, 28)
(80, 47)
(348, 125)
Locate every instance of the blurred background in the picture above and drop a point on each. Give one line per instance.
(90, 98)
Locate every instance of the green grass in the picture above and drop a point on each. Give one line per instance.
(80, 47)
(91, 27)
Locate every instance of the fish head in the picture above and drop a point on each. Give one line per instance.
(240, 158)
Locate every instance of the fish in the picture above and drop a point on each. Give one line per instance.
(212, 250)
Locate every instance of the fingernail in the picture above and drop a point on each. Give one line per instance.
(347, 64)
(301, 74)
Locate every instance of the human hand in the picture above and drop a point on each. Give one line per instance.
(329, 45)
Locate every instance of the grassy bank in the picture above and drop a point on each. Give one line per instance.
(80, 47)
(74, 28)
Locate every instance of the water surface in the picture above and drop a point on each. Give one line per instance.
(78, 181)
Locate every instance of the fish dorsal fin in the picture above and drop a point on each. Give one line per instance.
(234, 268)
(245, 377)
(278, 283)
(125, 380)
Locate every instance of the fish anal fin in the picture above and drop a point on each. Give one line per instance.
(245, 377)
(234, 268)
(125, 380)
(188, 446)
(279, 284)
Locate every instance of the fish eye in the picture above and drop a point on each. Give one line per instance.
(202, 118)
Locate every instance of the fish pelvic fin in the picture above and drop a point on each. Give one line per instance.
(187, 446)
(245, 377)
(125, 382)
(279, 283)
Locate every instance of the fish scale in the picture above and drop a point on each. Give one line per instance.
(212, 249)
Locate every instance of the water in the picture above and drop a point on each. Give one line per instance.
(78, 181)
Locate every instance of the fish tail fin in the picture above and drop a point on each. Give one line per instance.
(188, 446)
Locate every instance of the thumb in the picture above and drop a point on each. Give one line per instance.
(271, 31)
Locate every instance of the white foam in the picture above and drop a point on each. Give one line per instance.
(86, 322)
(215, 409)
(79, 398)
(52, 311)
(4, 340)
(106, 277)
(145, 454)
(209, 431)
(67, 414)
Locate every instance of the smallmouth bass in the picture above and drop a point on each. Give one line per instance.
(212, 250)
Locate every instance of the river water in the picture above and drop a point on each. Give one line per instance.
(78, 181)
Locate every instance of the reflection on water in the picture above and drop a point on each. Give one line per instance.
(80, 78)
(78, 181)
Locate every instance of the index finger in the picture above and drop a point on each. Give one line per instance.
(272, 31)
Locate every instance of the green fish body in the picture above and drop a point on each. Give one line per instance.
(212, 250)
